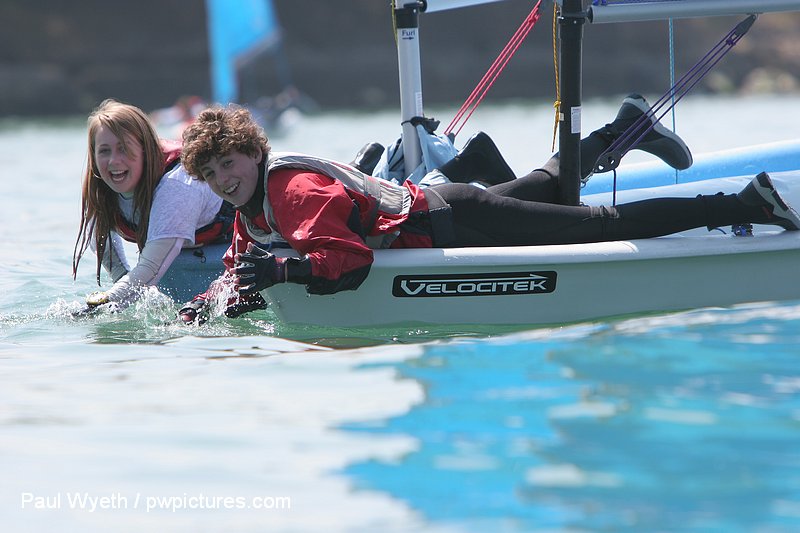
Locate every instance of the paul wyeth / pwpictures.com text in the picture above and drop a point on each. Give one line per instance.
(90, 503)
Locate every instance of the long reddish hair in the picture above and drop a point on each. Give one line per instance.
(99, 204)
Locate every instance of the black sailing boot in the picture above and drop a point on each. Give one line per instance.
(760, 193)
(367, 158)
(659, 141)
(479, 160)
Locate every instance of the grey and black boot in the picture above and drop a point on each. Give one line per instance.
(659, 141)
(479, 160)
(760, 193)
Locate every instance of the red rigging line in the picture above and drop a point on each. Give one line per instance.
(486, 83)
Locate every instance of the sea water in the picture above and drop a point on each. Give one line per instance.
(676, 422)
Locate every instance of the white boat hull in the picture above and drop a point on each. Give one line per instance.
(537, 285)
(575, 283)
(192, 272)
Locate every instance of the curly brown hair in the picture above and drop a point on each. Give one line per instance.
(218, 131)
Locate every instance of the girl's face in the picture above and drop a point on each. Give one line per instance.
(233, 176)
(120, 167)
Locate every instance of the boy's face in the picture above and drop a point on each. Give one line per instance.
(233, 176)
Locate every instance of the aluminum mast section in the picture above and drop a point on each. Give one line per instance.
(408, 59)
(665, 9)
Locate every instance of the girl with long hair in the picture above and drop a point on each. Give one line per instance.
(135, 188)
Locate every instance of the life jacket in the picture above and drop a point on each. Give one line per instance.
(388, 197)
(172, 153)
(220, 229)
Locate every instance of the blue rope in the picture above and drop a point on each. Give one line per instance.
(672, 77)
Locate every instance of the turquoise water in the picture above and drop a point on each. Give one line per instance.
(678, 422)
(652, 425)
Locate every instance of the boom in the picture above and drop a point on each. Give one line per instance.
(621, 11)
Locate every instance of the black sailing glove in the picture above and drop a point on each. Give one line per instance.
(257, 269)
(245, 304)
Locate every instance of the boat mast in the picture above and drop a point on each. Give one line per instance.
(406, 16)
(571, 22)
(407, 22)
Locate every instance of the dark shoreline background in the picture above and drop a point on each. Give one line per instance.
(62, 58)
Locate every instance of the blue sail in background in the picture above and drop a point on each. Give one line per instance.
(237, 31)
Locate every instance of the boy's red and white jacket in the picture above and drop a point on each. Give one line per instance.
(333, 216)
(330, 214)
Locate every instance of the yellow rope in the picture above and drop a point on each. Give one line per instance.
(394, 22)
(557, 103)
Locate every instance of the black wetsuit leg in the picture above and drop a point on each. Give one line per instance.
(541, 185)
(481, 218)
(537, 186)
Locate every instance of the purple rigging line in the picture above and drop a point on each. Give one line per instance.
(685, 84)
